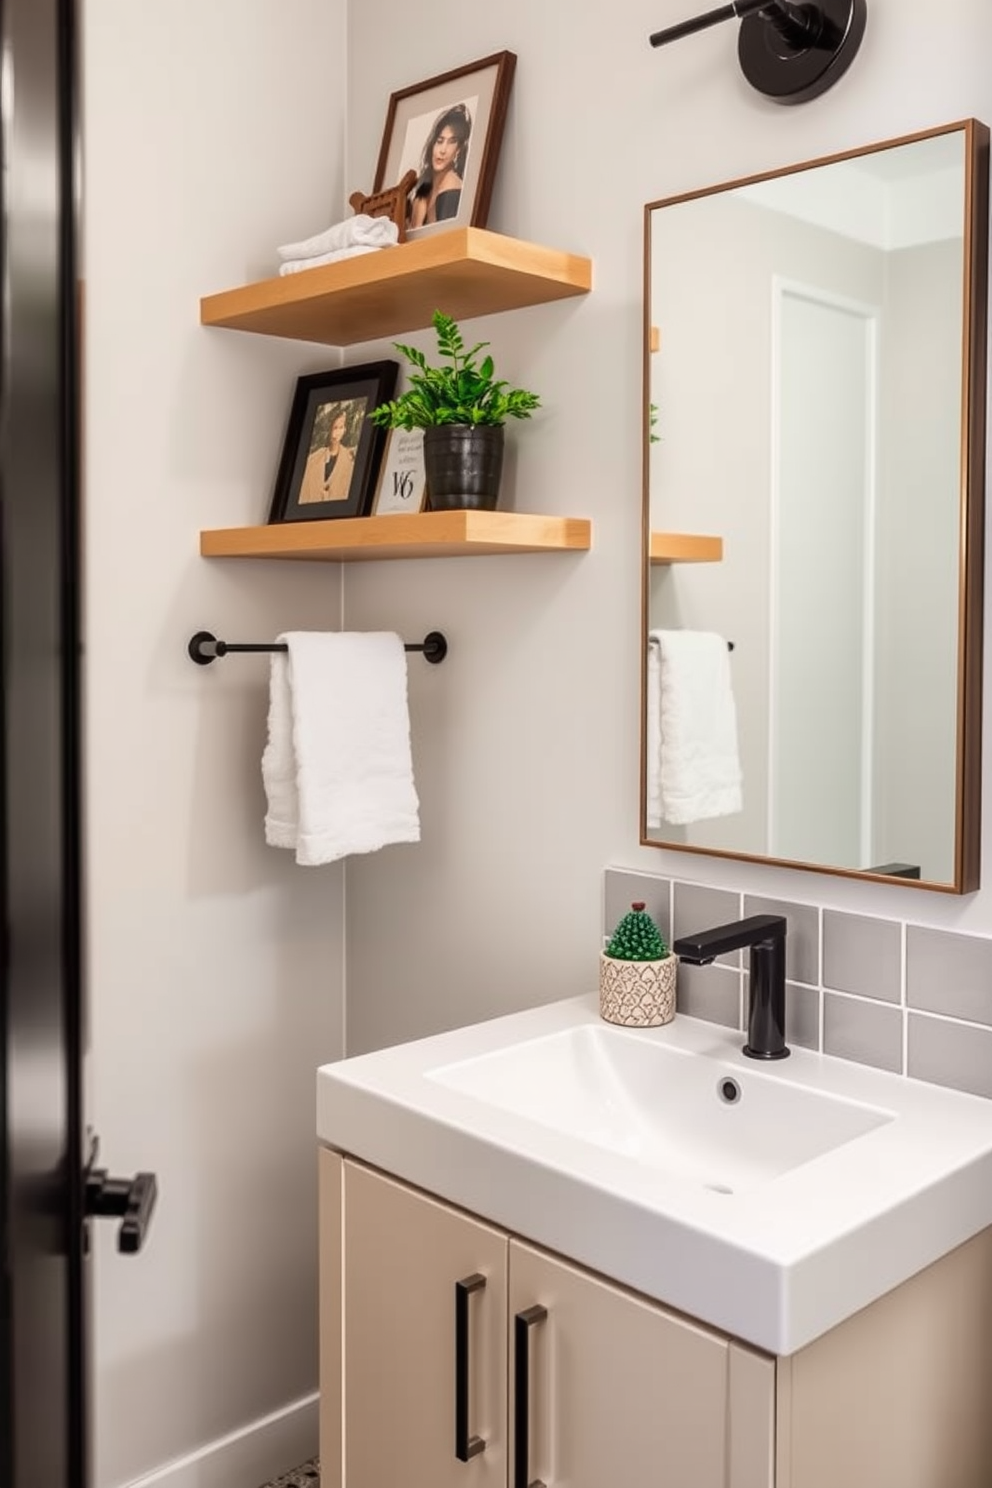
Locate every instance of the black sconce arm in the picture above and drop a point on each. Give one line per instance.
(790, 50)
(780, 12)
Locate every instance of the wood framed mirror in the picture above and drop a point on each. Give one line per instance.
(814, 472)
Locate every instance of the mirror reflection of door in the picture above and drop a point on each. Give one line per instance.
(816, 400)
(822, 533)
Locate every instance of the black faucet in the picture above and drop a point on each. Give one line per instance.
(765, 934)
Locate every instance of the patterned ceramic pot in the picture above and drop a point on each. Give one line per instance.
(638, 994)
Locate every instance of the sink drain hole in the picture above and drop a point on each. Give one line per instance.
(729, 1091)
(720, 1188)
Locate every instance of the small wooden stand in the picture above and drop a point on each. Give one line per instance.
(389, 203)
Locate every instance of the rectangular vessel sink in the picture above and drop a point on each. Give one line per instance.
(771, 1201)
(722, 1127)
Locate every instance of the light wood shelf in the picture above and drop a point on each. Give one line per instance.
(454, 534)
(685, 547)
(464, 272)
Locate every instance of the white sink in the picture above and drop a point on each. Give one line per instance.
(722, 1127)
(776, 1217)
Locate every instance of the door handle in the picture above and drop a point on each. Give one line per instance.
(466, 1445)
(132, 1200)
(522, 1324)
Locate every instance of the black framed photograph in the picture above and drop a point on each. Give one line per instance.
(448, 130)
(332, 451)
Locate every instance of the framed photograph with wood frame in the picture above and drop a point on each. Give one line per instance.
(449, 130)
(403, 482)
(332, 450)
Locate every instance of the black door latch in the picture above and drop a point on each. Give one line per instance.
(129, 1199)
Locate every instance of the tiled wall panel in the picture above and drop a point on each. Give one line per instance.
(899, 996)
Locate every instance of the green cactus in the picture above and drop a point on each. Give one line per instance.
(637, 938)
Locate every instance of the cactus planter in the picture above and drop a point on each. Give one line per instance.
(637, 974)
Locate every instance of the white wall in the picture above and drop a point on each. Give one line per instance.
(212, 132)
(917, 613)
(526, 744)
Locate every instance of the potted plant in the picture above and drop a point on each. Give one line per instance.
(462, 410)
(637, 974)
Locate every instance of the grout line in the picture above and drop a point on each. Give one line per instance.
(903, 978)
(933, 1017)
(819, 974)
(860, 997)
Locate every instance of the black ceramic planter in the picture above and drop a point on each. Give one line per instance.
(463, 463)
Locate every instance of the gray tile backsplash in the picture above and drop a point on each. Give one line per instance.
(710, 992)
(851, 990)
(802, 942)
(949, 1053)
(870, 1032)
(862, 955)
(949, 974)
(624, 889)
(802, 1006)
(697, 907)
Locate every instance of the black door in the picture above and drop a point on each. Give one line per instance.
(49, 1182)
(42, 1434)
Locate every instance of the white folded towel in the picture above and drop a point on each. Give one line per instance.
(369, 232)
(337, 767)
(295, 265)
(693, 766)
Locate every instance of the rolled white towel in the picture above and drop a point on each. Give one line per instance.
(296, 265)
(373, 232)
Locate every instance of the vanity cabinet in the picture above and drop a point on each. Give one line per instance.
(622, 1392)
(625, 1392)
(402, 1256)
(608, 1387)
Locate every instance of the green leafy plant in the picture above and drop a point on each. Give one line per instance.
(463, 391)
(637, 938)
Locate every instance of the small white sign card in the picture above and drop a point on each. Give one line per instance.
(403, 482)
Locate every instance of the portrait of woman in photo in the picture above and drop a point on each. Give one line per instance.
(331, 463)
(437, 194)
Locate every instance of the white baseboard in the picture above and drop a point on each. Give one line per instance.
(264, 1449)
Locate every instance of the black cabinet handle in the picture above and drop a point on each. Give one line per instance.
(466, 1445)
(522, 1324)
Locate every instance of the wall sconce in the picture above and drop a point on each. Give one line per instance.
(790, 52)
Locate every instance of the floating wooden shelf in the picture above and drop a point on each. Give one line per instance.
(464, 272)
(685, 547)
(454, 534)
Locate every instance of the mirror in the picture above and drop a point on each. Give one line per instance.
(813, 513)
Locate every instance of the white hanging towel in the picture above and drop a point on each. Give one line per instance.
(693, 766)
(337, 766)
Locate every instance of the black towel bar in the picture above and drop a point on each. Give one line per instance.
(204, 648)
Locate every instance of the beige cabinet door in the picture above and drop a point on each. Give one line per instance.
(424, 1358)
(614, 1391)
